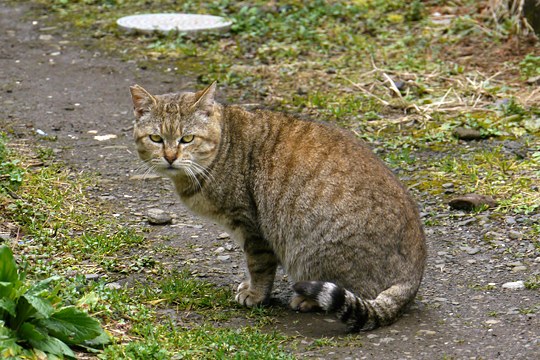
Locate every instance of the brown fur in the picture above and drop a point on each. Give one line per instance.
(302, 194)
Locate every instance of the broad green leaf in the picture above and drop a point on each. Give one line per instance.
(8, 266)
(40, 340)
(42, 285)
(98, 341)
(8, 305)
(90, 299)
(5, 289)
(72, 325)
(9, 349)
(41, 305)
(28, 332)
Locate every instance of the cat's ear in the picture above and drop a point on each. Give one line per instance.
(204, 99)
(142, 100)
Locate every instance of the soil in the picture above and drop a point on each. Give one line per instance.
(66, 88)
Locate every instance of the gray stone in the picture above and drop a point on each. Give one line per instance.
(467, 134)
(469, 250)
(515, 285)
(514, 263)
(519, 268)
(224, 258)
(158, 217)
(515, 235)
(92, 277)
(472, 201)
(113, 286)
(426, 332)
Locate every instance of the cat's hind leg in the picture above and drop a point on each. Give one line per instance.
(262, 264)
(304, 304)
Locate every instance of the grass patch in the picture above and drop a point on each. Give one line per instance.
(489, 172)
(205, 342)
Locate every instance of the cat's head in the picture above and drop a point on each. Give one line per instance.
(177, 134)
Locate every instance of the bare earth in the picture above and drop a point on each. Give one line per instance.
(66, 88)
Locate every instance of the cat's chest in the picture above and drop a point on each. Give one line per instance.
(201, 206)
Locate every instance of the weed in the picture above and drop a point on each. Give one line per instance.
(533, 282)
(322, 342)
(186, 293)
(530, 66)
(11, 173)
(33, 322)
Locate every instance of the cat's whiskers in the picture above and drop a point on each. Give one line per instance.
(193, 178)
(148, 167)
(204, 172)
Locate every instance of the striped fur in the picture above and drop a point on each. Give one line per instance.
(305, 195)
(357, 313)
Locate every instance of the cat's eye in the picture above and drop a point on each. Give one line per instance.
(156, 138)
(187, 139)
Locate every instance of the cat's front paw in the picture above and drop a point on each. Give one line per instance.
(247, 296)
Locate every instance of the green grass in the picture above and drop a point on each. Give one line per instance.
(489, 172)
(206, 342)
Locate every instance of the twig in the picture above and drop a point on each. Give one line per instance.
(393, 85)
(384, 102)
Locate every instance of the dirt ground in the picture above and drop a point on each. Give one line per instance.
(68, 90)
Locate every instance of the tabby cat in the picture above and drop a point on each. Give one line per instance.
(301, 194)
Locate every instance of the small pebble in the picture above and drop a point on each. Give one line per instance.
(514, 263)
(223, 236)
(516, 285)
(470, 250)
(515, 235)
(302, 90)
(519, 268)
(426, 332)
(113, 286)
(158, 217)
(92, 277)
(467, 134)
(224, 257)
(471, 201)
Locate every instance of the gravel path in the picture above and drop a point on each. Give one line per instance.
(65, 88)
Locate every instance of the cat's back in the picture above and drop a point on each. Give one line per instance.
(285, 148)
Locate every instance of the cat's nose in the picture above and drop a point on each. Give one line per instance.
(170, 157)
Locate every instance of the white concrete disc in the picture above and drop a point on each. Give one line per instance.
(173, 22)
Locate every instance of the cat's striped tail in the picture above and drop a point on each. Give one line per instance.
(357, 313)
